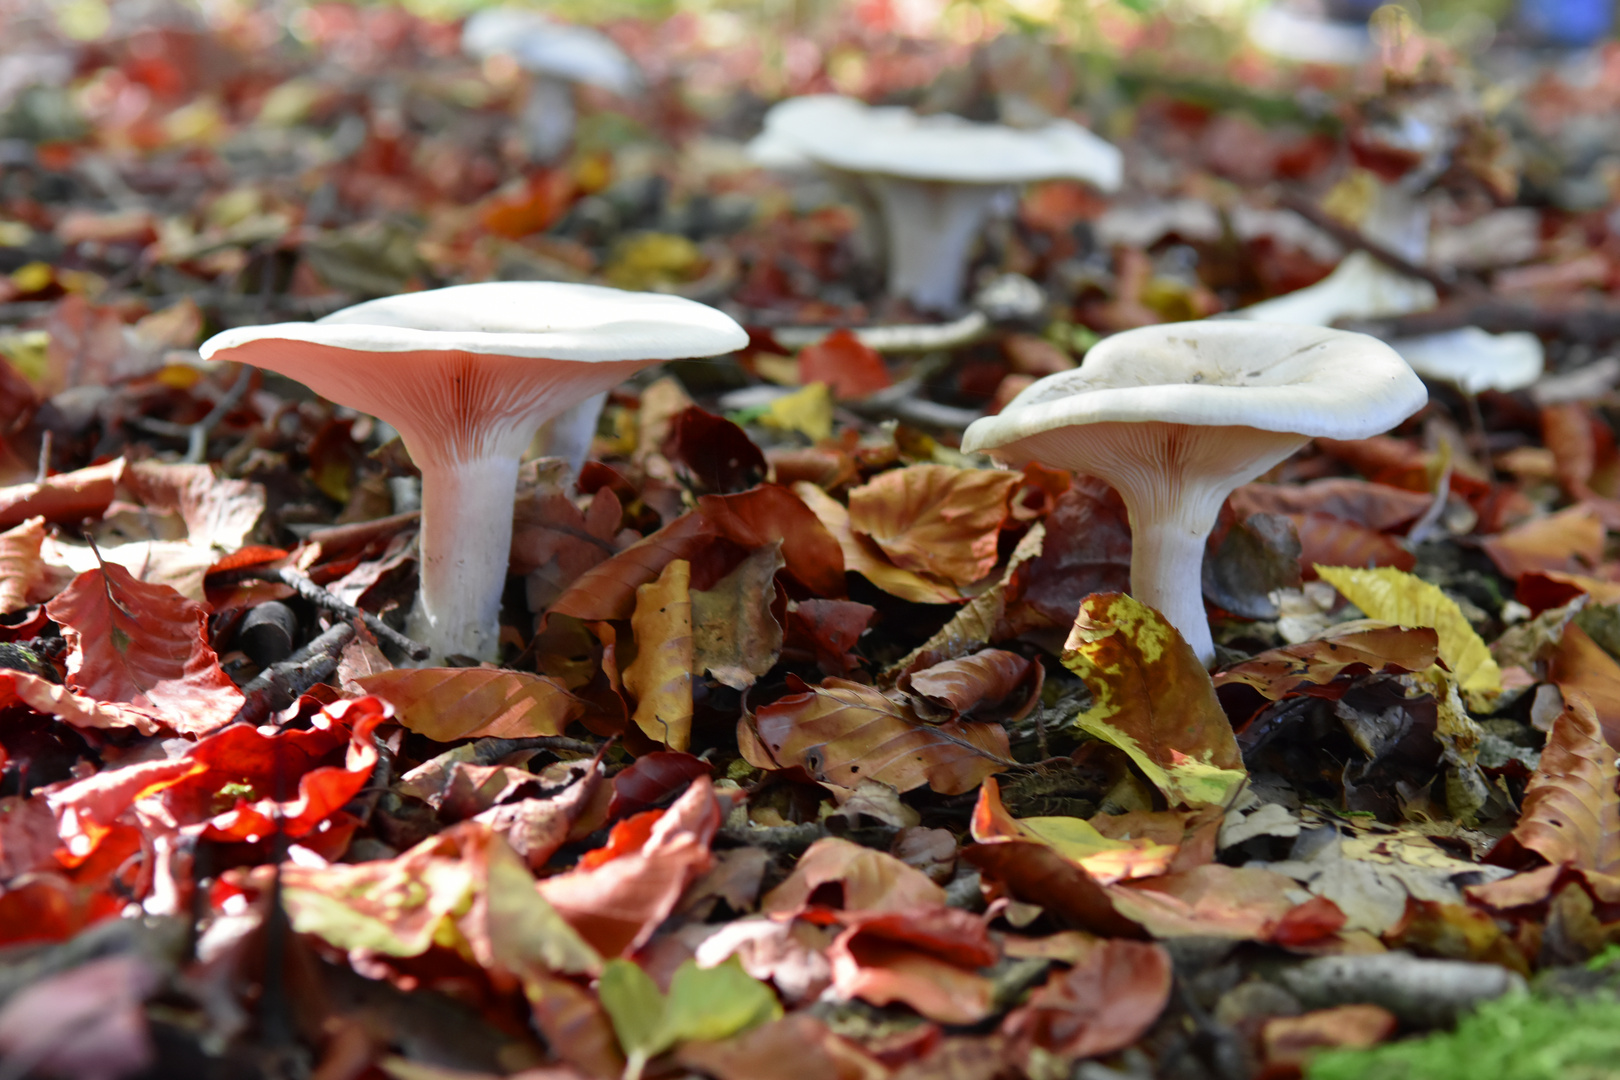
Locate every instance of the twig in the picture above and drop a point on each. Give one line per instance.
(196, 435)
(781, 839)
(1444, 283)
(279, 685)
(323, 597)
(44, 457)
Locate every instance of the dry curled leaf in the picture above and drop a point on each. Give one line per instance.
(992, 684)
(935, 519)
(1104, 1003)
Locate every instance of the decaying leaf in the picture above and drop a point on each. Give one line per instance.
(1104, 1003)
(935, 519)
(660, 677)
(1153, 699)
(447, 704)
(1106, 860)
(867, 881)
(1394, 596)
(735, 638)
(842, 732)
(607, 591)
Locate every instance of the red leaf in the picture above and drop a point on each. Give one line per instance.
(924, 958)
(826, 631)
(718, 453)
(67, 498)
(1378, 507)
(1331, 541)
(849, 368)
(652, 778)
(146, 646)
(1103, 1004)
(607, 591)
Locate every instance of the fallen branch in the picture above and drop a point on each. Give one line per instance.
(323, 597)
(905, 337)
(196, 435)
(1420, 991)
(279, 685)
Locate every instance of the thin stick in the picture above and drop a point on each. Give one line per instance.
(323, 597)
(279, 685)
(44, 457)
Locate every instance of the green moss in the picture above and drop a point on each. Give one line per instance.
(1514, 1038)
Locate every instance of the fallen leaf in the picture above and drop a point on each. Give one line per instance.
(1328, 541)
(1377, 507)
(617, 904)
(218, 512)
(447, 704)
(1104, 1003)
(842, 732)
(1393, 596)
(826, 631)
(1569, 818)
(735, 638)
(1035, 873)
(808, 410)
(64, 499)
(1106, 860)
(865, 558)
(1578, 665)
(926, 958)
(1290, 1041)
(651, 779)
(715, 452)
(1352, 651)
(1253, 558)
(1087, 549)
(796, 1047)
(991, 684)
(1243, 903)
(935, 519)
(87, 1022)
(771, 514)
(660, 677)
(980, 620)
(867, 881)
(1570, 541)
(1153, 699)
(607, 591)
(702, 1004)
(25, 580)
(849, 368)
(145, 646)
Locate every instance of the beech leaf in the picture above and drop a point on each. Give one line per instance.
(1153, 699)
(447, 704)
(935, 519)
(660, 677)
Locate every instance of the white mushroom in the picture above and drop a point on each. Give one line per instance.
(1176, 416)
(934, 179)
(1473, 360)
(466, 374)
(558, 56)
(1360, 287)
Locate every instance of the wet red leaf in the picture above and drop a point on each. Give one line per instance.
(718, 454)
(652, 778)
(771, 513)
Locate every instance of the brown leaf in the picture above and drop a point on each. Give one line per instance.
(926, 958)
(981, 619)
(1291, 1041)
(66, 498)
(1331, 541)
(825, 631)
(1254, 557)
(145, 646)
(865, 558)
(660, 677)
(616, 903)
(992, 684)
(771, 514)
(1387, 650)
(935, 519)
(553, 543)
(1037, 874)
(1378, 507)
(1122, 853)
(446, 704)
(1104, 1003)
(1245, 903)
(217, 511)
(1580, 666)
(867, 880)
(796, 1047)
(842, 732)
(1570, 817)
(716, 453)
(1570, 540)
(1087, 549)
(25, 579)
(735, 637)
(1153, 699)
(608, 591)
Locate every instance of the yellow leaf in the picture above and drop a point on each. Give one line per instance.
(660, 677)
(1395, 596)
(1153, 699)
(808, 411)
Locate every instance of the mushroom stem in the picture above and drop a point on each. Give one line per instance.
(1167, 563)
(465, 540)
(931, 228)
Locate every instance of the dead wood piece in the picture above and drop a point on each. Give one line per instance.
(778, 839)
(323, 597)
(1420, 991)
(279, 685)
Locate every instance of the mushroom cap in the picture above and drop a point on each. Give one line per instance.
(1300, 380)
(1474, 360)
(546, 47)
(843, 133)
(470, 369)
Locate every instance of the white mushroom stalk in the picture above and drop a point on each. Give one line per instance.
(1174, 417)
(935, 179)
(466, 375)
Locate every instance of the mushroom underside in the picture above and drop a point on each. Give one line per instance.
(1173, 479)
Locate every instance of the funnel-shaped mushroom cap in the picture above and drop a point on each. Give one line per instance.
(545, 47)
(475, 364)
(1474, 360)
(467, 374)
(1176, 416)
(1300, 380)
(843, 133)
(1360, 287)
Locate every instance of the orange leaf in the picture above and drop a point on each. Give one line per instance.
(1580, 666)
(935, 519)
(851, 369)
(864, 557)
(607, 591)
(144, 645)
(770, 513)
(992, 684)
(842, 733)
(25, 580)
(447, 704)
(67, 498)
(1331, 541)
(1570, 540)
(927, 959)
(1387, 650)
(660, 677)
(867, 880)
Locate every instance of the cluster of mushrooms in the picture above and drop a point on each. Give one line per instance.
(1173, 416)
